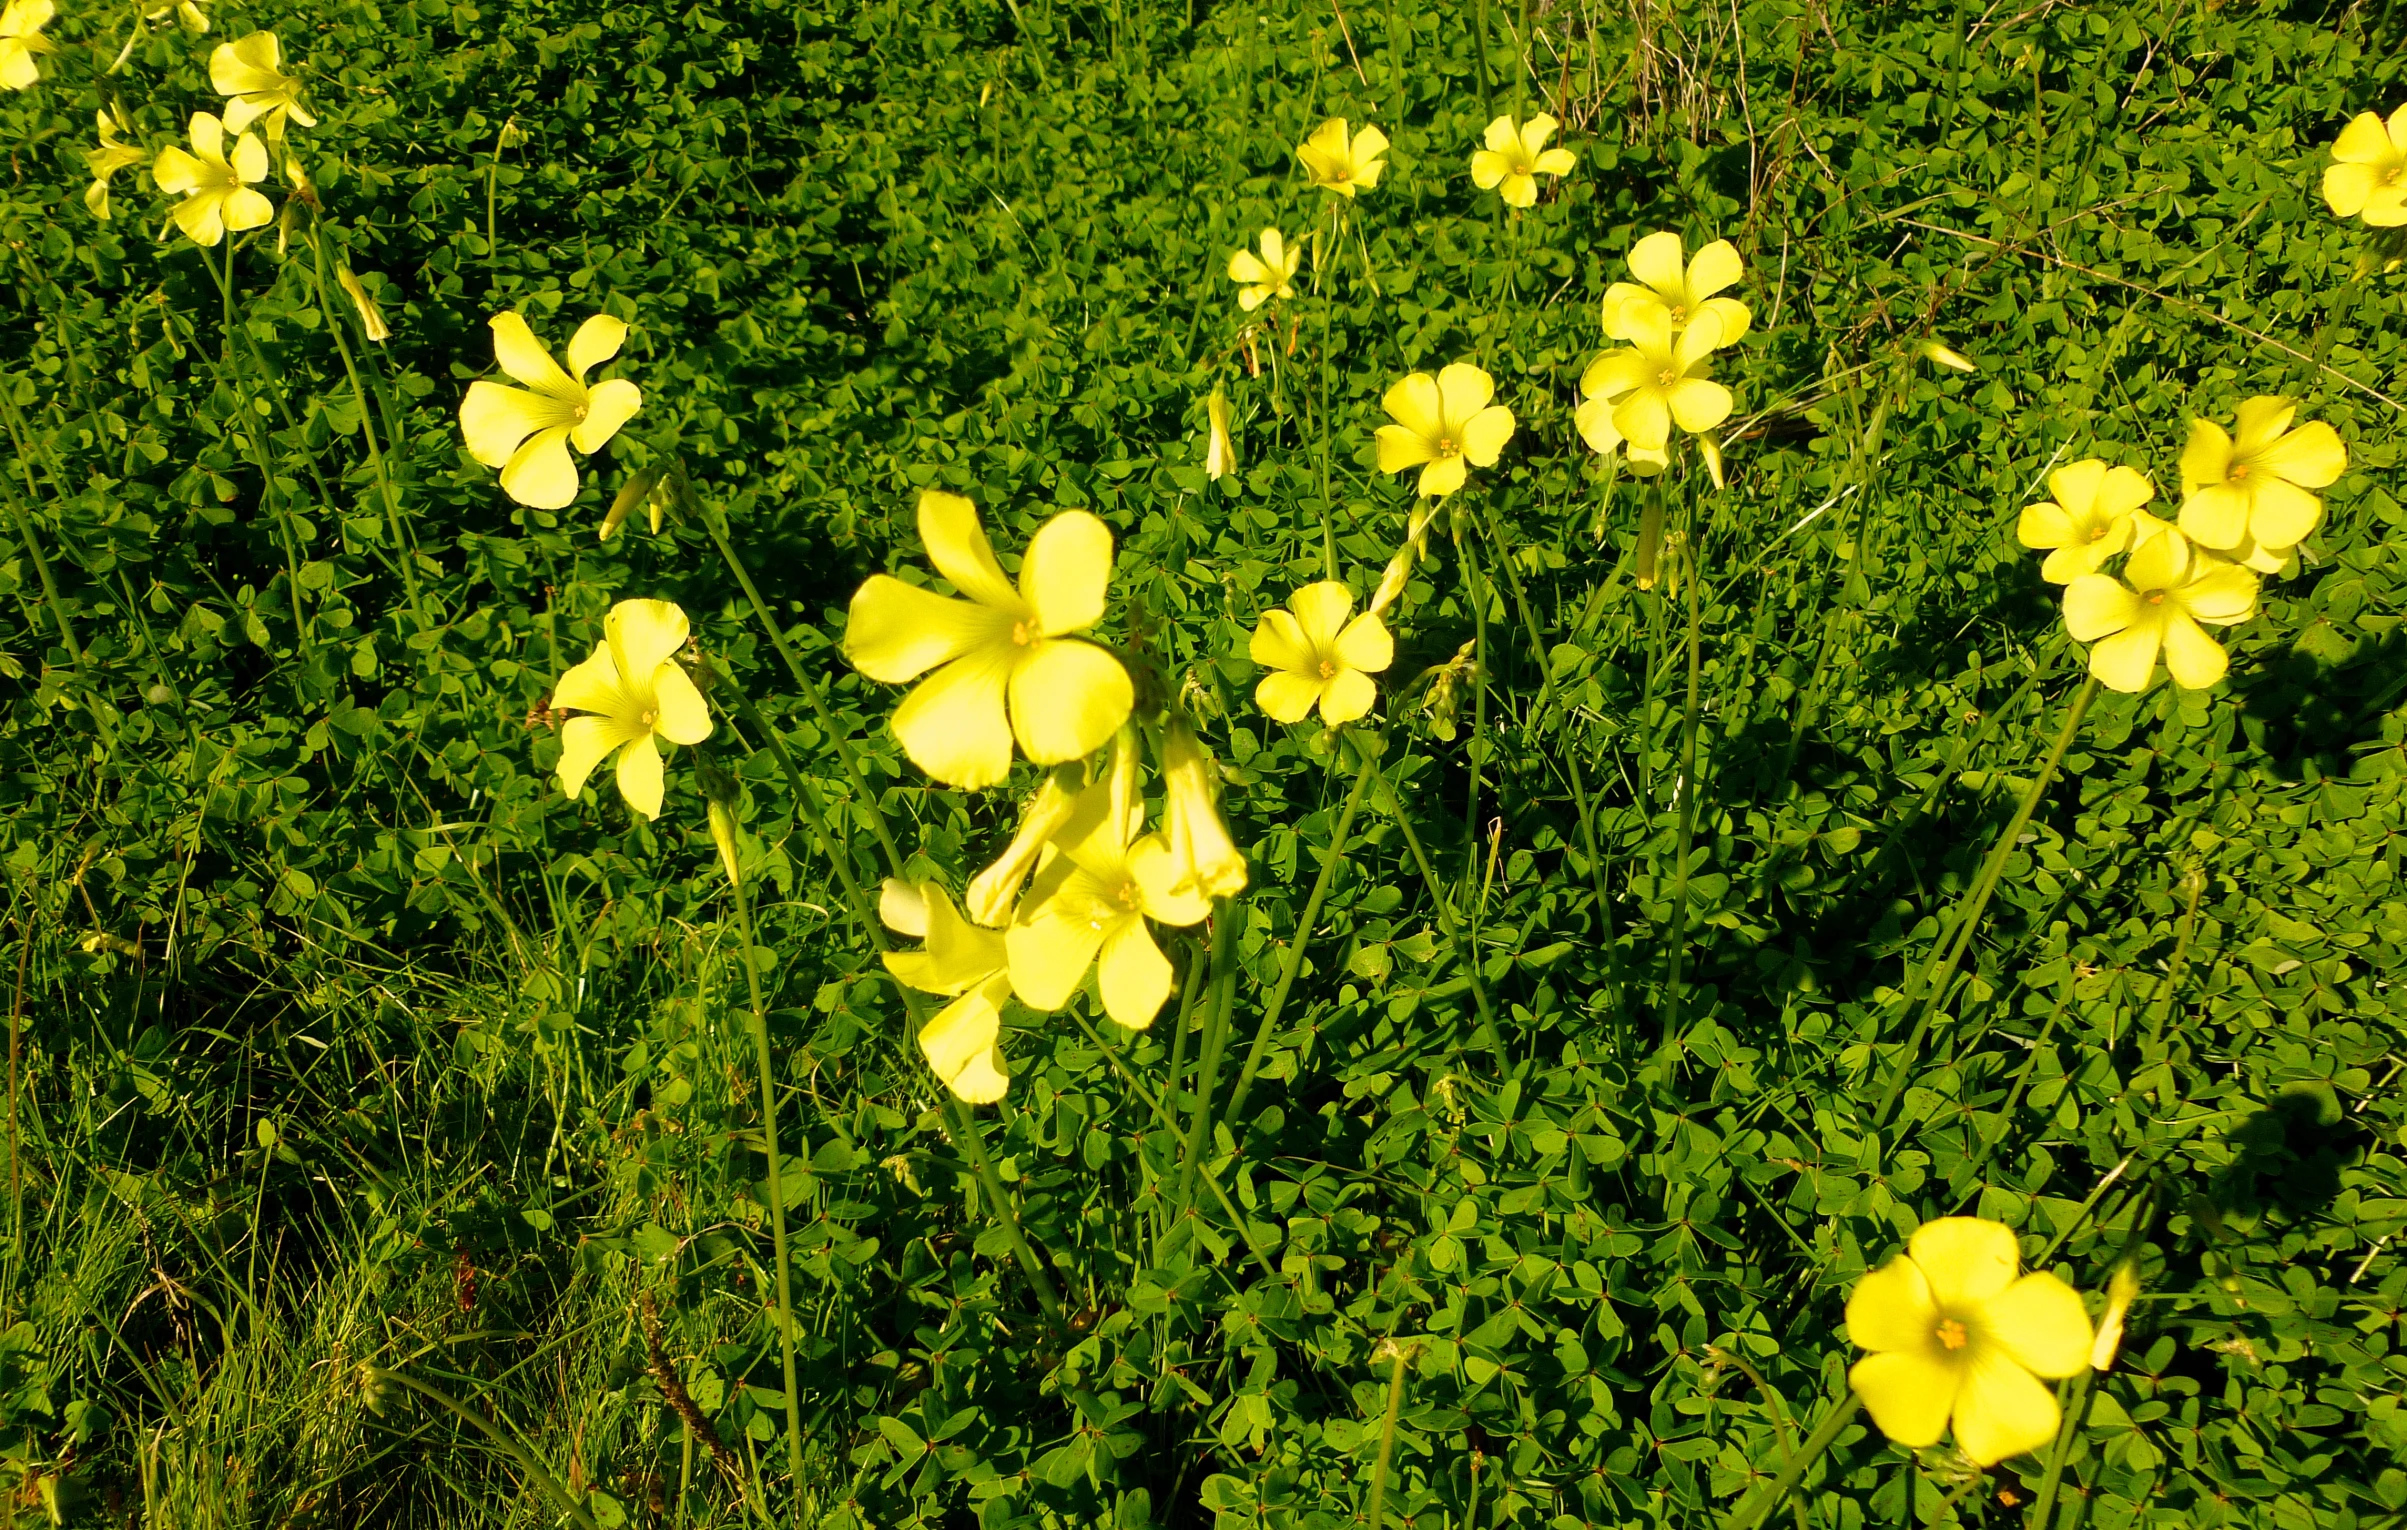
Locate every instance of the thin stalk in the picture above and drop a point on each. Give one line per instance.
(402, 550)
(1931, 984)
(33, 544)
(1216, 1040)
(759, 1023)
(1685, 838)
(1387, 1434)
(1463, 950)
(1468, 550)
(2195, 882)
(1294, 964)
(502, 1441)
(1752, 1512)
(1197, 966)
(1320, 409)
(225, 288)
(2076, 1411)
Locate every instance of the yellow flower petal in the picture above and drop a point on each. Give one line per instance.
(1066, 570)
(1402, 447)
(2195, 660)
(1892, 1308)
(683, 719)
(1485, 434)
(2002, 1410)
(1132, 975)
(524, 359)
(2206, 459)
(1279, 643)
(1488, 168)
(1699, 404)
(202, 217)
(2217, 515)
(959, 1044)
(640, 776)
(496, 419)
(1068, 698)
(2040, 1324)
(2347, 187)
(1909, 1393)
(1713, 268)
(1657, 262)
(596, 341)
(1441, 478)
(1051, 948)
(1365, 644)
(2310, 456)
(540, 474)
(176, 172)
(897, 632)
(2219, 592)
(1966, 1259)
(1416, 403)
(2044, 525)
(956, 542)
(1463, 391)
(608, 406)
(592, 686)
(249, 161)
(2126, 660)
(1349, 694)
(2363, 141)
(1286, 696)
(584, 743)
(954, 726)
(1320, 614)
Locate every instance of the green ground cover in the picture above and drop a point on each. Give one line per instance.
(384, 1135)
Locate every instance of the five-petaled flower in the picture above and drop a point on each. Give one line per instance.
(629, 694)
(1319, 654)
(1958, 1337)
(964, 963)
(2368, 174)
(1443, 425)
(1674, 291)
(1660, 378)
(1271, 274)
(250, 72)
(113, 155)
(216, 187)
(1004, 664)
(2245, 493)
(526, 431)
(2094, 516)
(1099, 883)
(2168, 587)
(21, 41)
(1515, 157)
(1343, 164)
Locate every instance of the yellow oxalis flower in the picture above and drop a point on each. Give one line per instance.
(2121, 1289)
(1268, 275)
(112, 156)
(994, 891)
(21, 41)
(1957, 1337)
(1004, 666)
(2245, 494)
(1100, 881)
(216, 187)
(526, 431)
(1208, 861)
(371, 313)
(1660, 379)
(628, 694)
(962, 962)
(2168, 587)
(1515, 157)
(1444, 426)
(1594, 418)
(2094, 516)
(1318, 657)
(251, 72)
(1675, 291)
(2368, 174)
(1341, 164)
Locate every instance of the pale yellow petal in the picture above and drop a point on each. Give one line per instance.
(596, 341)
(1049, 950)
(1965, 1259)
(2195, 662)
(593, 686)
(1485, 434)
(957, 546)
(584, 743)
(954, 725)
(1441, 477)
(640, 778)
(1279, 643)
(1713, 268)
(2002, 1410)
(1909, 1393)
(540, 473)
(896, 632)
(2364, 141)
(2041, 1325)
(1320, 611)
(1132, 974)
(1066, 571)
(2044, 525)
(523, 357)
(1348, 695)
(1068, 698)
(1366, 644)
(1288, 696)
(682, 719)
(1892, 1308)
(959, 1044)
(496, 418)
(1658, 263)
(2220, 592)
(2126, 660)
(1401, 447)
(608, 406)
(2310, 456)
(1416, 403)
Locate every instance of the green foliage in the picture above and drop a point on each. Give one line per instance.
(347, 1039)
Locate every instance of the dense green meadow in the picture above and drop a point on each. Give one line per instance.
(1729, 879)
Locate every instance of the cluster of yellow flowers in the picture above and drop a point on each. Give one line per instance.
(2246, 506)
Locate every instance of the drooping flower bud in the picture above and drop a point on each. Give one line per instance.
(1210, 862)
(992, 892)
(722, 834)
(371, 317)
(1220, 450)
(1940, 355)
(2120, 1290)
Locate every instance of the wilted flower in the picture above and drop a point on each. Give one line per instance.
(371, 315)
(112, 156)
(1089, 903)
(21, 41)
(2245, 495)
(1442, 424)
(994, 891)
(250, 72)
(1341, 164)
(2368, 174)
(1208, 862)
(1268, 275)
(629, 694)
(1317, 657)
(1515, 157)
(1220, 448)
(2168, 588)
(216, 189)
(1004, 664)
(1660, 379)
(526, 431)
(2094, 516)
(965, 963)
(1957, 1337)
(1675, 291)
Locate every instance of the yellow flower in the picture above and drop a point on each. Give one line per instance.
(1442, 424)
(188, 16)
(1220, 449)
(1208, 862)
(21, 41)
(526, 431)
(1514, 159)
(994, 891)
(1660, 379)
(967, 964)
(1268, 275)
(2095, 516)
(1957, 1337)
(216, 189)
(2121, 1289)
(112, 156)
(1004, 666)
(250, 71)
(1316, 657)
(2368, 174)
(1341, 164)
(2247, 496)
(629, 693)
(2168, 588)
(1675, 291)
(1594, 419)
(1097, 886)
(371, 316)
(722, 835)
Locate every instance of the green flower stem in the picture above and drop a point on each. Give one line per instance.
(1294, 964)
(19, 513)
(864, 912)
(1753, 1511)
(1473, 591)
(1464, 951)
(2076, 1413)
(504, 1442)
(2195, 883)
(759, 1022)
(1401, 1366)
(1188, 990)
(1685, 837)
(1222, 985)
(1320, 407)
(405, 551)
(1933, 980)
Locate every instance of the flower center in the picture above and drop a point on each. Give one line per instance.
(650, 718)
(2156, 597)
(2391, 175)
(1023, 633)
(1446, 446)
(2239, 470)
(579, 412)
(1127, 895)
(1666, 378)
(1679, 313)
(1328, 669)
(1952, 1335)
(2097, 533)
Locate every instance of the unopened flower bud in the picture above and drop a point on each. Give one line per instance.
(722, 834)
(1209, 861)
(2120, 1290)
(992, 892)
(371, 317)
(636, 491)
(1220, 449)
(1940, 355)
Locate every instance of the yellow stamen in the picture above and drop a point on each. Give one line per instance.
(1328, 669)
(1952, 1335)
